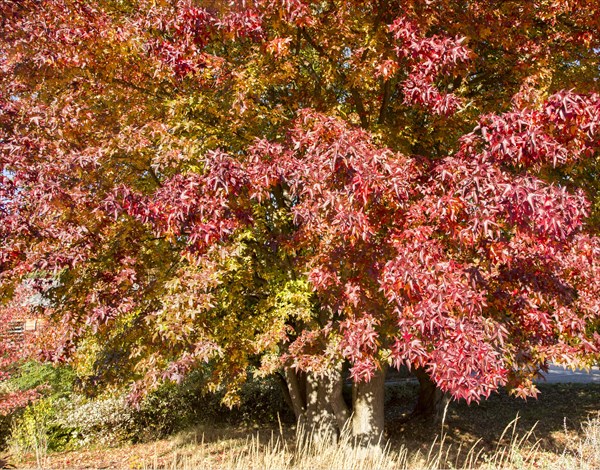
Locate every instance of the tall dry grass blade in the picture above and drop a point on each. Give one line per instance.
(474, 455)
(431, 449)
(443, 435)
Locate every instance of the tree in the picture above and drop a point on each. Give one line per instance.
(293, 185)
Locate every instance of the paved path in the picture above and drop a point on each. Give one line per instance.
(559, 375)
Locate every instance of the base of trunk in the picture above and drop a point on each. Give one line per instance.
(368, 411)
(318, 404)
(432, 401)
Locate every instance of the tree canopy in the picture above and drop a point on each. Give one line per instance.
(292, 184)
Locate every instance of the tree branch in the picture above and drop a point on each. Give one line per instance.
(360, 108)
(385, 101)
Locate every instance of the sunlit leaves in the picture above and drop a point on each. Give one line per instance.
(293, 182)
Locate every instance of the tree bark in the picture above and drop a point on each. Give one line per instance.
(320, 419)
(432, 400)
(368, 410)
(318, 404)
(340, 409)
(296, 394)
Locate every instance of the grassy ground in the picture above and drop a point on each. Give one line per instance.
(556, 418)
(550, 432)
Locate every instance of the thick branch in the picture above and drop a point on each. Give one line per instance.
(387, 94)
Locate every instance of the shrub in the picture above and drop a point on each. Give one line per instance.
(58, 380)
(5, 423)
(64, 419)
(22, 430)
(166, 410)
(172, 407)
(29, 433)
(262, 402)
(101, 420)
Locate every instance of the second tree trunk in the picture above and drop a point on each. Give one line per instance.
(368, 410)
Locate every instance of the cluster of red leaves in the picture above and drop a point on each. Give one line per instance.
(427, 58)
(202, 207)
(178, 35)
(509, 233)
(564, 130)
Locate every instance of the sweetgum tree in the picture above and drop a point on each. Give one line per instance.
(295, 185)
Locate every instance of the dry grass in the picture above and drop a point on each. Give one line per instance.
(560, 430)
(279, 452)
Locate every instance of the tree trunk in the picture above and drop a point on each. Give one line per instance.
(368, 410)
(296, 393)
(320, 420)
(338, 404)
(432, 400)
(318, 404)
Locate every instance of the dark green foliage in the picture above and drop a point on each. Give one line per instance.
(175, 407)
(57, 381)
(5, 422)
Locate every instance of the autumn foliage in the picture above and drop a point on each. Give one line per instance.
(17, 345)
(295, 184)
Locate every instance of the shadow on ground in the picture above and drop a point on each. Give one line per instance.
(556, 418)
